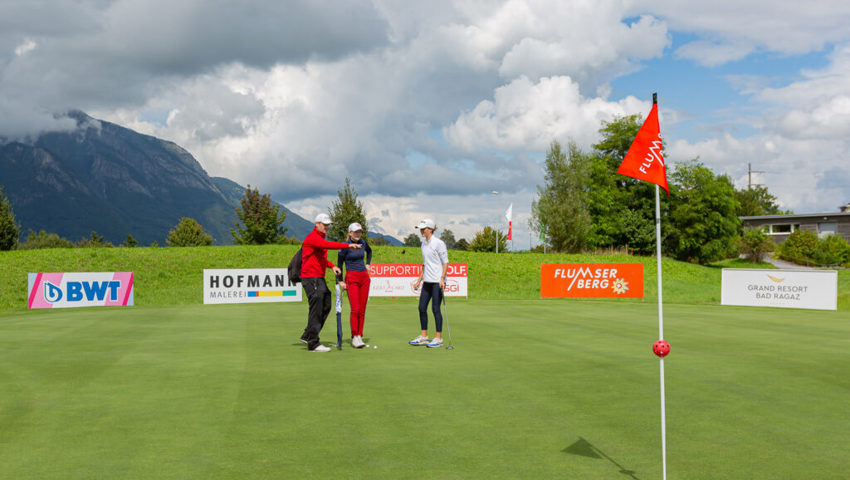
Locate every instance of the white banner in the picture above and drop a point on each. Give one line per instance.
(255, 285)
(813, 289)
(397, 280)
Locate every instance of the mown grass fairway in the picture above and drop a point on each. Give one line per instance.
(534, 389)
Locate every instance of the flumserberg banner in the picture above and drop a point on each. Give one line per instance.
(812, 289)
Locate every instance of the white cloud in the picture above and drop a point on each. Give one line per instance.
(420, 103)
(528, 116)
(712, 54)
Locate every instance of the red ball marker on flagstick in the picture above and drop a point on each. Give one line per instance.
(661, 348)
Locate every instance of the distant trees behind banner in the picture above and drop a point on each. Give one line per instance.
(584, 205)
(262, 222)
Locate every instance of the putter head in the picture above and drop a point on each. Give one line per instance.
(450, 347)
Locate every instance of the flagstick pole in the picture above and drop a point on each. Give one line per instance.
(660, 330)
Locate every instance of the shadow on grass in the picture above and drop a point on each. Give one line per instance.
(584, 448)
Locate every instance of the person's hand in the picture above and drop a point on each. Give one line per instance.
(337, 271)
(343, 285)
(354, 246)
(416, 284)
(442, 284)
(367, 272)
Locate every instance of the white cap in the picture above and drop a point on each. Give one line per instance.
(323, 218)
(354, 227)
(426, 223)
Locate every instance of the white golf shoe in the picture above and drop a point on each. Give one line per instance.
(435, 343)
(321, 349)
(420, 340)
(357, 342)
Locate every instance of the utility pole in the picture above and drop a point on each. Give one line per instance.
(750, 173)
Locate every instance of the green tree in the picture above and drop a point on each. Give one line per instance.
(799, 247)
(703, 224)
(561, 207)
(485, 241)
(413, 240)
(378, 241)
(344, 211)
(448, 237)
(757, 201)
(621, 207)
(130, 241)
(462, 245)
(9, 230)
(43, 239)
(94, 241)
(832, 250)
(755, 244)
(263, 221)
(188, 233)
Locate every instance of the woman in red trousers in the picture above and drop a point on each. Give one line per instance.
(357, 280)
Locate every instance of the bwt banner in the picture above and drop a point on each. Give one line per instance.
(257, 285)
(89, 289)
(813, 289)
(591, 280)
(397, 279)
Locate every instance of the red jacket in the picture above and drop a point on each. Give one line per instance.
(314, 254)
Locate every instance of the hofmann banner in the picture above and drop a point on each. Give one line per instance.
(255, 285)
(812, 289)
(397, 280)
(591, 280)
(81, 289)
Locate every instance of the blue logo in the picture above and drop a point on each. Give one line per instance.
(52, 293)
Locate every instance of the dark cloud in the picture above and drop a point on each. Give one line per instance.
(60, 55)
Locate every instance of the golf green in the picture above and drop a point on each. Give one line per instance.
(534, 389)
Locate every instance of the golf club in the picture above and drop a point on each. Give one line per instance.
(448, 330)
(338, 318)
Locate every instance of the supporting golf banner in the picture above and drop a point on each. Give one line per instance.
(79, 289)
(591, 280)
(397, 280)
(257, 285)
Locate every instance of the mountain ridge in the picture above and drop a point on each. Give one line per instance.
(110, 179)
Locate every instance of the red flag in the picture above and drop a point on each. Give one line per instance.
(509, 215)
(644, 159)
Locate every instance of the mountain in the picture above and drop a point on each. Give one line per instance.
(106, 178)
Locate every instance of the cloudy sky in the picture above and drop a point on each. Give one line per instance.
(432, 106)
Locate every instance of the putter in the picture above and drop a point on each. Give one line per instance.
(338, 319)
(448, 330)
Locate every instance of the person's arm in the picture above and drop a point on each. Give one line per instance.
(444, 257)
(368, 254)
(340, 259)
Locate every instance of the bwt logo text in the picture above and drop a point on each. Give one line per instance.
(79, 291)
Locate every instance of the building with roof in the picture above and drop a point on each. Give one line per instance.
(779, 227)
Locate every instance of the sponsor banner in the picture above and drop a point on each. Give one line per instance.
(81, 289)
(397, 280)
(250, 285)
(813, 289)
(591, 280)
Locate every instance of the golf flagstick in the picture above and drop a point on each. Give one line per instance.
(645, 161)
(338, 318)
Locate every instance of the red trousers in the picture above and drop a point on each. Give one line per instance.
(358, 294)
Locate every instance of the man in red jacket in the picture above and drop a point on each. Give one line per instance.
(314, 262)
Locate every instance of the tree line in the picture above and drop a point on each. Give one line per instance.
(584, 205)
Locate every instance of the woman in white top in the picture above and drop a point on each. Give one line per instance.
(435, 264)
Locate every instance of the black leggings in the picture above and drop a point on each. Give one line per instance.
(429, 291)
